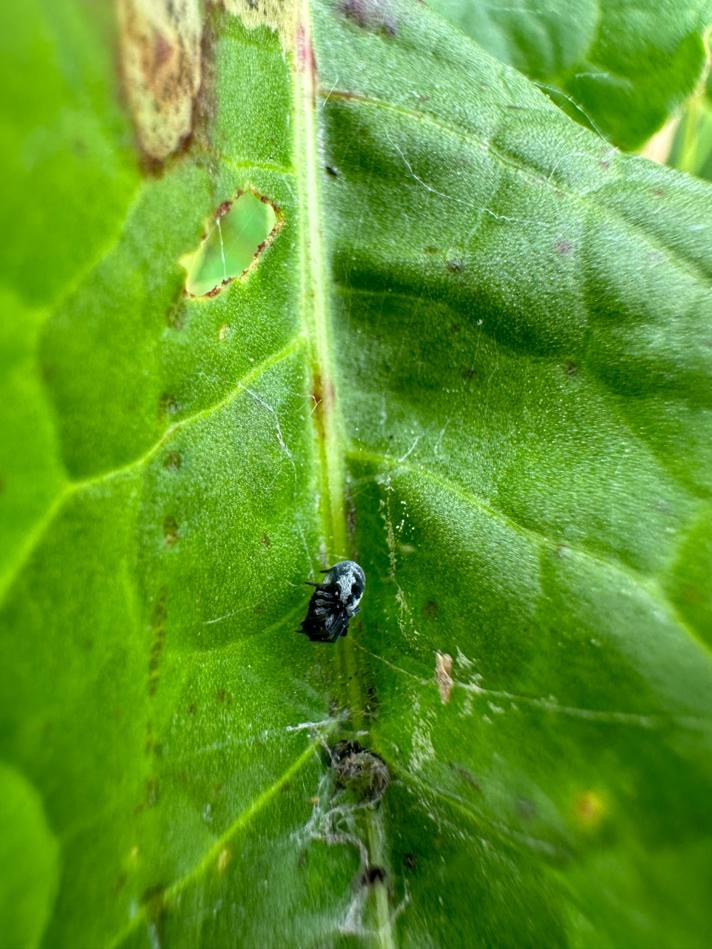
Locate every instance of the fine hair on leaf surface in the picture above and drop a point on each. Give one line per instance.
(293, 285)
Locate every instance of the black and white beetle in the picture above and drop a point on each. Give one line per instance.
(334, 602)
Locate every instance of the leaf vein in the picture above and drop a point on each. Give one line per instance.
(72, 487)
(213, 852)
(688, 266)
(648, 584)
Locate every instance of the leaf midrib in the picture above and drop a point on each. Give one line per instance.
(329, 428)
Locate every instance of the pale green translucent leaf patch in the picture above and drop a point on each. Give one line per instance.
(239, 233)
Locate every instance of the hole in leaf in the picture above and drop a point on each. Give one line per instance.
(235, 238)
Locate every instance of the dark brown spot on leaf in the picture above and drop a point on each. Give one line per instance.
(170, 530)
(173, 460)
(175, 316)
(158, 629)
(430, 609)
(370, 15)
(370, 708)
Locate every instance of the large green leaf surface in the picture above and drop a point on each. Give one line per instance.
(618, 66)
(476, 358)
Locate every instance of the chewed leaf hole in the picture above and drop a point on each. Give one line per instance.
(235, 238)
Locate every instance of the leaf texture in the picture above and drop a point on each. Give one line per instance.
(476, 359)
(620, 67)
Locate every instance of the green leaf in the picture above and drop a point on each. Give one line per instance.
(620, 67)
(28, 848)
(474, 357)
(691, 148)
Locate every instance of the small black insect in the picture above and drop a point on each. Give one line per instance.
(334, 602)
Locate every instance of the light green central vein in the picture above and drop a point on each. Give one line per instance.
(316, 298)
(315, 313)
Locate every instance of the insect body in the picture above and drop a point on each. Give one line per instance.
(334, 602)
